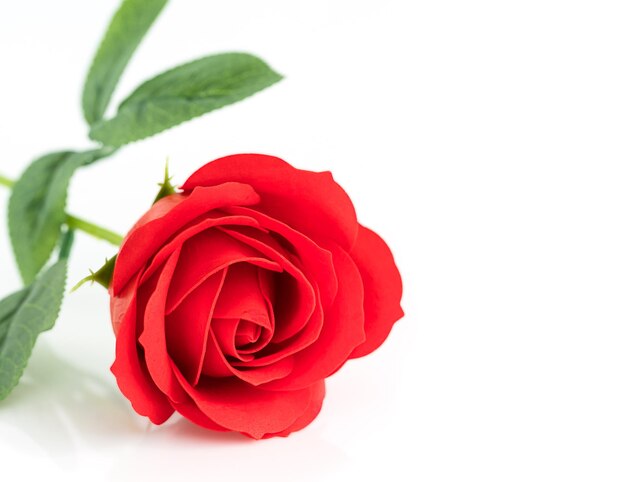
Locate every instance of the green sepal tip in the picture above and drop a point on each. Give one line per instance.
(103, 276)
(167, 188)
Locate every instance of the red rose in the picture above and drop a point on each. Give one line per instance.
(233, 300)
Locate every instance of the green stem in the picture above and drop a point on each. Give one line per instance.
(5, 181)
(93, 229)
(79, 224)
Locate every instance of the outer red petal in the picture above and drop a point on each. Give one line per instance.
(383, 289)
(191, 412)
(191, 230)
(310, 202)
(169, 215)
(129, 369)
(238, 406)
(318, 391)
(153, 339)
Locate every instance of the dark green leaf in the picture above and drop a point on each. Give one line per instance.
(183, 93)
(128, 26)
(37, 207)
(23, 316)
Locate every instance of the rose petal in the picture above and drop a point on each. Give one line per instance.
(342, 331)
(129, 369)
(214, 364)
(310, 202)
(153, 339)
(247, 332)
(318, 391)
(120, 305)
(237, 405)
(315, 260)
(220, 365)
(383, 289)
(268, 291)
(187, 327)
(297, 301)
(225, 330)
(158, 210)
(231, 334)
(169, 215)
(241, 297)
(274, 352)
(290, 337)
(205, 254)
(203, 224)
(241, 339)
(190, 411)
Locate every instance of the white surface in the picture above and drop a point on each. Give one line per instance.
(484, 140)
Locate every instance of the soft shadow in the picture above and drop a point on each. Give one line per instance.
(65, 409)
(61, 407)
(179, 450)
(182, 429)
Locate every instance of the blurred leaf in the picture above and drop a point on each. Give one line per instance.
(128, 26)
(37, 207)
(8, 307)
(23, 316)
(183, 93)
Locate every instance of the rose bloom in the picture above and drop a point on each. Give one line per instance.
(233, 300)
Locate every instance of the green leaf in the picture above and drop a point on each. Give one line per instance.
(8, 307)
(183, 93)
(23, 316)
(128, 26)
(37, 207)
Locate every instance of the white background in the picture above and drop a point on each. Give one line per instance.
(484, 140)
